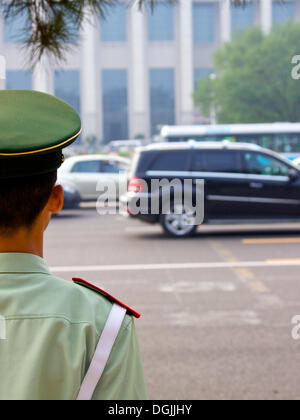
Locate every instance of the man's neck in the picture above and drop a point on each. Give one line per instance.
(23, 241)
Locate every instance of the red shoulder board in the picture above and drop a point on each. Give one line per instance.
(91, 286)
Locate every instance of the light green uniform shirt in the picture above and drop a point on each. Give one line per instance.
(52, 330)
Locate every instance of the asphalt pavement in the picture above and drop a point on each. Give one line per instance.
(216, 309)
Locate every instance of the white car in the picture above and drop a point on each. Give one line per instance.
(92, 173)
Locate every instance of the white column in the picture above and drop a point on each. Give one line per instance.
(41, 72)
(41, 76)
(2, 72)
(297, 11)
(89, 93)
(225, 20)
(186, 62)
(266, 15)
(139, 120)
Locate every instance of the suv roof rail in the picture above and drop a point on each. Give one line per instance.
(194, 144)
(226, 143)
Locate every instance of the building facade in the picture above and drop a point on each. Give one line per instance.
(136, 70)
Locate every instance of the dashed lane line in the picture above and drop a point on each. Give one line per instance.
(258, 286)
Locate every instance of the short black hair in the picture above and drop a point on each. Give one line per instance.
(23, 199)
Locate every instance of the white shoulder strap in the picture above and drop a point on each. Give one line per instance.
(103, 350)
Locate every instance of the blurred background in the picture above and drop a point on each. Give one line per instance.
(134, 71)
(154, 87)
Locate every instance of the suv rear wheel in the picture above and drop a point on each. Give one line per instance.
(179, 223)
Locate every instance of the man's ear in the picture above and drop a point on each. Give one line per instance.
(56, 200)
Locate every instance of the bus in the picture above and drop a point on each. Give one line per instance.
(283, 138)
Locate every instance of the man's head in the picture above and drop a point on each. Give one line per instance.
(35, 128)
(27, 201)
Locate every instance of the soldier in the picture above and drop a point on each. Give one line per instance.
(64, 340)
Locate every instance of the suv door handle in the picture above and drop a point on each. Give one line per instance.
(256, 185)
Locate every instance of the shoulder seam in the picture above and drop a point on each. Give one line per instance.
(125, 325)
(46, 316)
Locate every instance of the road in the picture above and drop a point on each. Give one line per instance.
(217, 308)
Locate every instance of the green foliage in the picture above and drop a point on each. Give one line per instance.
(253, 80)
(139, 136)
(91, 140)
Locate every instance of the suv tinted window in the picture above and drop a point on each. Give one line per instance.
(89, 166)
(260, 164)
(216, 161)
(171, 160)
(141, 162)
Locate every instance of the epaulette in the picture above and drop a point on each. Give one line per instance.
(96, 289)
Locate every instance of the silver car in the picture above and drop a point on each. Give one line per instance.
(92, 173)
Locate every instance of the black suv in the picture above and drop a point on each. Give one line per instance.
(242, 182)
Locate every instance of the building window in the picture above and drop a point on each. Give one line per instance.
(113, 28)
(67, 87)
(16, 79)
(242, 17)
(162, 98)
(199, 74)
(161, 22)
(282, 12)
(115, 105)
(15, 29)
(204, 23)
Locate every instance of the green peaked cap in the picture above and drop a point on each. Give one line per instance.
(34, 128)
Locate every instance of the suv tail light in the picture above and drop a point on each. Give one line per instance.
(135, 185)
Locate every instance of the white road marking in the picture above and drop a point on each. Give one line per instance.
(175, 266)
(142, 229)
(194, 287)
(269, 301)
(214, 319)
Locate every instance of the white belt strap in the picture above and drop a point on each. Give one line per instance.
(103, 350)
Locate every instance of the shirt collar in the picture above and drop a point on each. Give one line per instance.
(22, 263)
